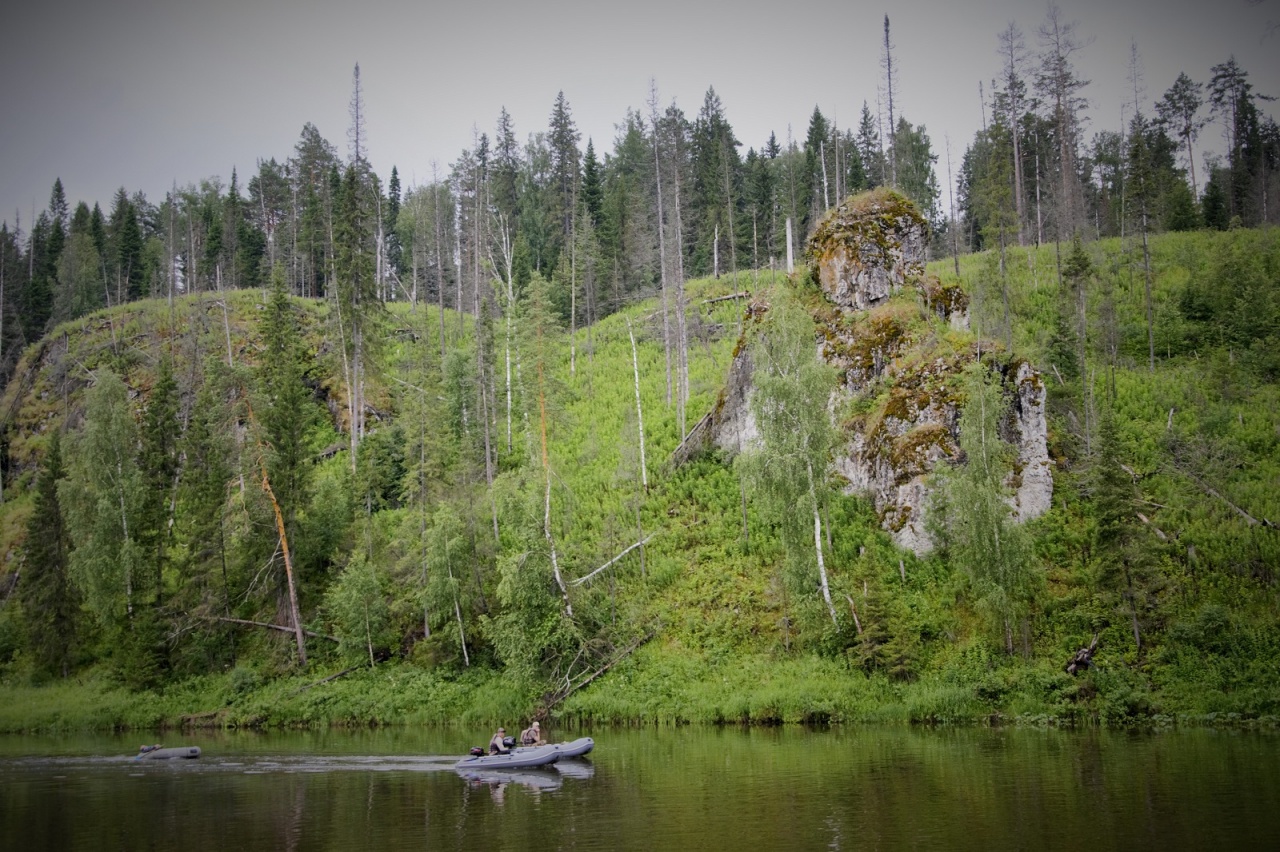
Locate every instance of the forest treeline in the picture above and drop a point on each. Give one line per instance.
(675, 196)
(320, 415)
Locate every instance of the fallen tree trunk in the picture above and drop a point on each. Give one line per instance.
(269, 626)
(1206, 488)
(342, 673)
(641, 543)
(743, 295)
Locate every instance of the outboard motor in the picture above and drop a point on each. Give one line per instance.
(476, 751)
(509, 742)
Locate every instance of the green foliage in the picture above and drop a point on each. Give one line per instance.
(356, 604)
(101, 496)
(974, 522)
(470, 623)
(790, 406)
(49, 600)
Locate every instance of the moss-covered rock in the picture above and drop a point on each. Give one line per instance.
(868, 247)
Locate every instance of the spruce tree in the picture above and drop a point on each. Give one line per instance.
(158, 464)
(716, 191)
(1123, 576)
(815, 190)
(592, 192)
(867, 139)
(49, 601)
(356, 307)
(286, 411)
(36, 297)
(504, 184)
(199, 529)
(125, 236)
(562, 139)
(395, 257)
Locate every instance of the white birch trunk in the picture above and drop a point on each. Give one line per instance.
(791, 263)
(635, 370)
(682, 340)
(817, 546)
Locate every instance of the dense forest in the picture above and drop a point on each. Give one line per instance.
(261, 433)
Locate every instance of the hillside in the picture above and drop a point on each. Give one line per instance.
(448, 569)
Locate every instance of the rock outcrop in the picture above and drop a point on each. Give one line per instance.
(864, 252)
(868, 248)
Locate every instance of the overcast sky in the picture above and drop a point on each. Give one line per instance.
(143, 93)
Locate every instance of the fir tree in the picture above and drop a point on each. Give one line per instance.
(158, 464)
(592, 192)
(49, 601)
(1123, 576)
(562, 139)
(125, 236)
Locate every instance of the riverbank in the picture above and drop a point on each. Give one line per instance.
(668, 691)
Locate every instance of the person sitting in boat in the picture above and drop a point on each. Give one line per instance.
(498, 744)
(532, 736)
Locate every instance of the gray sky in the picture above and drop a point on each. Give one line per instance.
(143, 93)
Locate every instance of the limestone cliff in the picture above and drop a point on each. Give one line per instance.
(900, 370)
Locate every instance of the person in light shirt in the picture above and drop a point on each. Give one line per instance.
(532, 736)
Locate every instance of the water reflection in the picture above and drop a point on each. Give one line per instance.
(532, 779)
(684, 788)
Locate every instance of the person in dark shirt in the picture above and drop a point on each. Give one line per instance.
(497, 745)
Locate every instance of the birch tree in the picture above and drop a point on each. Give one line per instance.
(102, 497)
(790, 402)
(973, 519)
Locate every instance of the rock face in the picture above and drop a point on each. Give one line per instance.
(865, 251)
(1034, 494)
(867, 248)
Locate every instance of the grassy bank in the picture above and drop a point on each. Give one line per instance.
(656, 688)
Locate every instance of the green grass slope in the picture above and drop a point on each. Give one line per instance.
(708, 622)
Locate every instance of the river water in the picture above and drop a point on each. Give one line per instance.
(694, 788)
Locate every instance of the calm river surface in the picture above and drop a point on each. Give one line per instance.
(666, 788)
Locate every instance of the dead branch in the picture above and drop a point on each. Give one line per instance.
(1083, 658)
(1159, 532)
(556, 698)
(856, 623)
(641, 542)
